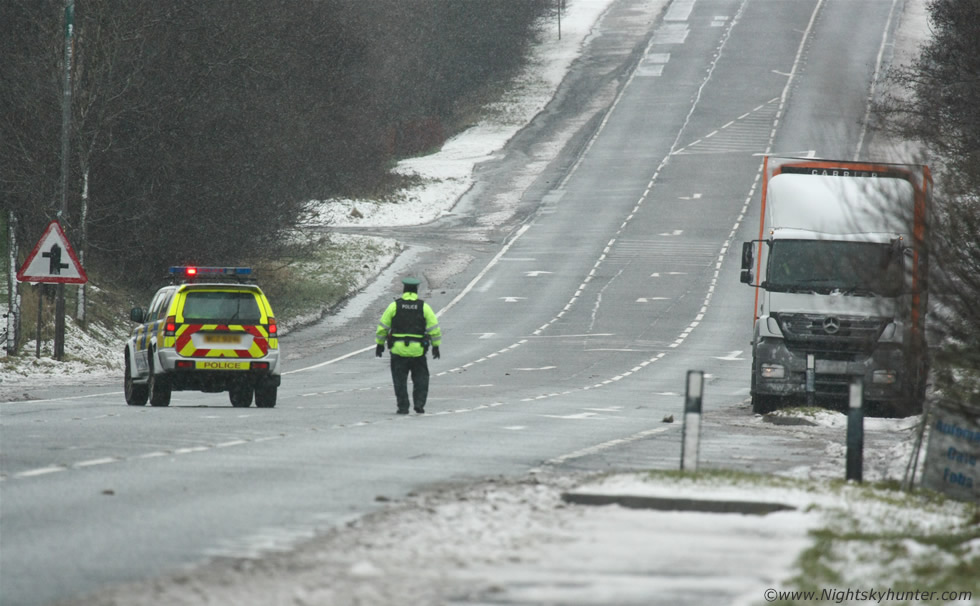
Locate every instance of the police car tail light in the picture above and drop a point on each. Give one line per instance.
(184, 364)
(273, 331)
(170, 327)
(259, 366)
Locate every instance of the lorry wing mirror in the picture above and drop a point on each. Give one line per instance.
(746, 277)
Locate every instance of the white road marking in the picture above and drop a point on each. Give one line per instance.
(603, 446)
(190, 449)
(650, 70)
(39, 472)
(680, 10)
(94, 462)
(577, 336)
(231, 443)
(731, 356)
(573, 417)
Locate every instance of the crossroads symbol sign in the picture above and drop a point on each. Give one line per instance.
(52, 260)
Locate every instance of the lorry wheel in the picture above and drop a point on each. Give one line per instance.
(240, 396)
(158, 387)
(765, 404)
(899, 409)
(265, 397)
(136, 395)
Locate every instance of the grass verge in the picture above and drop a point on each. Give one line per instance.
(870, 537)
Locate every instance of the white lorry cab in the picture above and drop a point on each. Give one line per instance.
(840, 270)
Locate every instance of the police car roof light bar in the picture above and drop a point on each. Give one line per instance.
(194, 272)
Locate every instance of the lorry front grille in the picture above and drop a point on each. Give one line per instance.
(831, 336)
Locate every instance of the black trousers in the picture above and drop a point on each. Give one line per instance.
(401, 367)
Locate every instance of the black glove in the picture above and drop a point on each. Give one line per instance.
(380, 349)
(435, 352)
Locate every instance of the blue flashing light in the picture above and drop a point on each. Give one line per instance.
(193, 271)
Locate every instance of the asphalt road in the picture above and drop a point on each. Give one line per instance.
(569, 328)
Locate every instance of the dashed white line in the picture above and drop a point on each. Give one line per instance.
(94, 462)
(39, 471)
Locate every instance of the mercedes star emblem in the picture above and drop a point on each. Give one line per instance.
(831, 325)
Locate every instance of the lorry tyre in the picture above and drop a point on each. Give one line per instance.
(762, 404)
(136, 395)
(265, 397)
(240, 396)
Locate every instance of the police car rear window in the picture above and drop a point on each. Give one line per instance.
(228, 307)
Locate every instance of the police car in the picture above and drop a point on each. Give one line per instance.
(211, 330)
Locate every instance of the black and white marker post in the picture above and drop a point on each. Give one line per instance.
(692, 421)
(811, 379)
(855, 430)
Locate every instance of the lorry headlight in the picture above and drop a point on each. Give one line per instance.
(773, 371)
(884, 377)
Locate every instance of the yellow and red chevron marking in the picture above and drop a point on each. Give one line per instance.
(184, 344)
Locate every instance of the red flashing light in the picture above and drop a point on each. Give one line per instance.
(191, 271)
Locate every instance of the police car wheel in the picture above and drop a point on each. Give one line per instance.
(158, 387)
(265, 397)
(136, 395)
(240, 396)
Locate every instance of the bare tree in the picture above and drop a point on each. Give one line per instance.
(939, 109)
(200, 131)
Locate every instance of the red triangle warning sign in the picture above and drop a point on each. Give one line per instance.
(52, 260)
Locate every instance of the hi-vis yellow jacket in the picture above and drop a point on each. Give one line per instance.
(410, 346)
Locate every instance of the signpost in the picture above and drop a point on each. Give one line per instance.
(53, 261)
(692, 420)
(952, 464)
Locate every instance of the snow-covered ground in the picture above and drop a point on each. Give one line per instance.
(516, 541)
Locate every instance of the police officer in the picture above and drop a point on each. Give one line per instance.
(409, 327)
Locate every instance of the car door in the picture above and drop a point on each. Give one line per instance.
(144, 336)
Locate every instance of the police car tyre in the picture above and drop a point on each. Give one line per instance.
(136, 395)
(265, 397)
(158, 387)
(240, 396)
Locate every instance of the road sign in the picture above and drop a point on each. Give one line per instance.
(52, 260)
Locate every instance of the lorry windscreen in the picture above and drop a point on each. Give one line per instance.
(825, 267)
